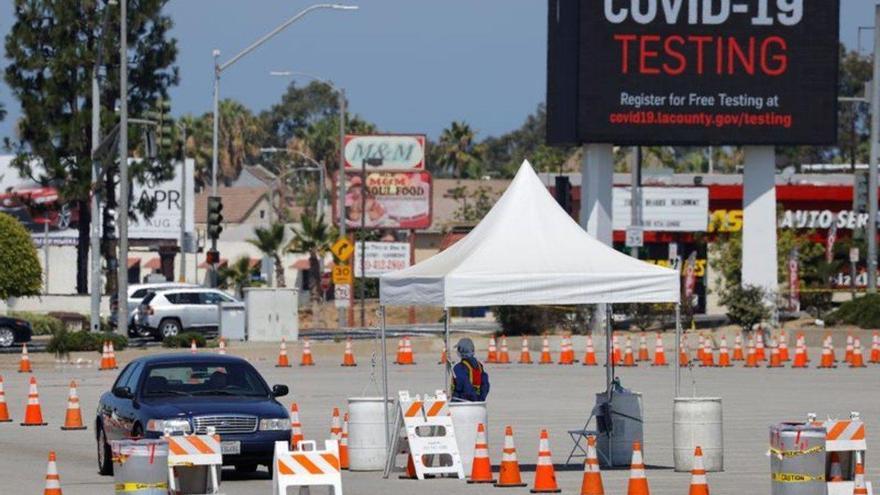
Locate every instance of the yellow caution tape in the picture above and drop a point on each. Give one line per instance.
(794, 453)
(795, 477)
(133, 487)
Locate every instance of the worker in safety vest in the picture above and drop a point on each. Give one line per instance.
(470, 382)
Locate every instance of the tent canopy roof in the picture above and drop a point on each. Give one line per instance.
(528, 251)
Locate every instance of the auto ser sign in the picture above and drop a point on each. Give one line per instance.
(693, 71)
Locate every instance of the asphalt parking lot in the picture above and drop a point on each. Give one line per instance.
(526, 397)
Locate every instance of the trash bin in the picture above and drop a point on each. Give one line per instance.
(619, 424)
(366, 433)
(465, 418)
(140, 467)
(697, 421)
(797, 459)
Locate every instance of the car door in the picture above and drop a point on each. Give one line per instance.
(211, 303)
(119, 414)
(188, 308)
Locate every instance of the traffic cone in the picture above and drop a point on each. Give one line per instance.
(545, 352)
(112, 352)
(760, 353)
(335, 425)
(683, 358)
(53, 481)
(724, 354)
(592, 481)
(827, 360)
(343, 443)
(835, 473)
(783, 347)
(503, 356)
(33, 415)
(775, 359)
(800, 357)
(509, 475)
(348, 356)
(193, 348)
(859, 487)
(856, 361)
(802, 342)
(443, 357)
(830, 340)
(481, 469)
(4, 410)
(221, 348)
(306, 359)
(24, 366)
(525, 357)
(492, 356)
(708, 360)
(875, 348)
(628, 359)
(296, 433)
(590, 354)
(616, 354)
(105, 357)
(408, 352)
(545, 474)
(699, 483)
(73, 418)
(643, 348)
(638, 482)
(566, 353)
(701, 348)
(410, 469)
(659, 352)
(847, 357)
(283, 362)
(738, 348)
(401, 359)
(752, 356)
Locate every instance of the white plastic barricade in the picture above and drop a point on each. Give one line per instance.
(194, 463)
(306, 466)
(846, 439)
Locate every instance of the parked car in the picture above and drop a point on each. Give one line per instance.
(165, 313)
(13, 331)
(184, 393)
(136, 293)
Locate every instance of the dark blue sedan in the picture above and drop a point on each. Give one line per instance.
(185, 393)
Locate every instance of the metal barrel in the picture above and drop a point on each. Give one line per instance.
(797, 459)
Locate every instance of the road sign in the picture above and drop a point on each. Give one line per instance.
(342, 275)
(635, 237)
(342, 248)
(342, 295)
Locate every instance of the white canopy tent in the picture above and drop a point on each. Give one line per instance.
(527, 251)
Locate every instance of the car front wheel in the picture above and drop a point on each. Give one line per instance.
(169, 328)
(7, 337)
(105, 459)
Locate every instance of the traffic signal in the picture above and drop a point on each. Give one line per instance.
(563, 192)
(212, 257)
(215, 216)
(860, 192)
(163, 131)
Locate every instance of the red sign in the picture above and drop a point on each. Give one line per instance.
(794, 284)
(393, 200)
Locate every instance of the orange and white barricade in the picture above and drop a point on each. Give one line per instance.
(307, 466)
(193, 459)
(846, 439)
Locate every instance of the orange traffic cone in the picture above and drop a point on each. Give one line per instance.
(306, 359)
(701, 348)
(708, 360)
(683, 358)
(738, 348)
(105, 357)
(566, 352)
(699, 483)
(859, 487)
(783, 347)
(296, 433)
(408, 352)
(592, 481)
(4, 410)
(545, 352)
(443, 357)
(525, 357)
(348, 356)
(73, 418)
(590, 355)
(545, 474)
(802, 342)
(503, 356)
(659, 352)
(112, 352)
(830, 340)
(492, 356)
(53, 481)
(410, 469)
(221, 348)
(335, 425)
(752, 357)
(723, 354)
(283, 362)
(643, 348)
(835, 473)
(760, 354)
(628, 359)
(827, 360)
(24, 366)
(638, 482)
(343, 444)
(401, 359)
(856, 361)
(481, 469)
(775, 360)
(848, 353)
(193, 348)
(509, 475)
(616, 354)
(800, 357)
(33, 415)
(875, 348)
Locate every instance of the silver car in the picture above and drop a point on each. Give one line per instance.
(166, 313)
(136, 293)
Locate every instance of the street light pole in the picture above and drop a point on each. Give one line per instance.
(122, 219)
(183, 199)
(872, 171)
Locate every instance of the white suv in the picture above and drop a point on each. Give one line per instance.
(166, 313)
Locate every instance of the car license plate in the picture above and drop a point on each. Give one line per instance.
(230, 448)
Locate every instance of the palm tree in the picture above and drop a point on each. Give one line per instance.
(458, 151)
(314, 237)
(239, 274)
(269, 241)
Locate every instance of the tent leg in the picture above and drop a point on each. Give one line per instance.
(677, 349)
(385, 380)
(446, 346)
(609, 360)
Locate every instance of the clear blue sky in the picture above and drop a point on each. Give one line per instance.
(408, 65)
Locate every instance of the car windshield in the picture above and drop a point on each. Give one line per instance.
(201, 379)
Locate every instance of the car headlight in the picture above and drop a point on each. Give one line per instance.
(169, 425)
(275, 424)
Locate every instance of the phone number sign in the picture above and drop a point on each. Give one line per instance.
(693, 71)
(382, 257)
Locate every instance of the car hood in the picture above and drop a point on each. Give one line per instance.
(167, 407)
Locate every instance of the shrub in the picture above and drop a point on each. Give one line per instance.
(863, 312)
(184, 340)
(20, 271)
(534, 320)
(746, 305)
(63, 342)
(40, 324)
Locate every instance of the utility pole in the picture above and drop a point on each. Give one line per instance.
(872, 168)
(122, 219)
(94, 206)
(341, 313)
(183, 198)
(636, 195)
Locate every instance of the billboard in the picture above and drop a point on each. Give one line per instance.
(385, 152)
(664, 209)
(393, 200)
(382, 258)
(678, 72)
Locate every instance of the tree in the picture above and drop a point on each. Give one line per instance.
(745, 306)
(51, 48)
(313, 236)
(473, 204)
(299, 108)
(20, 272)
(269, 241)
(239, 275)
(2, 112)
(457, 153)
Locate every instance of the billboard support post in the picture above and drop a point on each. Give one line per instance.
(597, 184)
(872, 172)
(759, 221)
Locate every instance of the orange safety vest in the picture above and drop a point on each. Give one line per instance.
(475, 375)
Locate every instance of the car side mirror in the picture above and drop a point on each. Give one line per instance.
(280, 390)
(123, 393)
